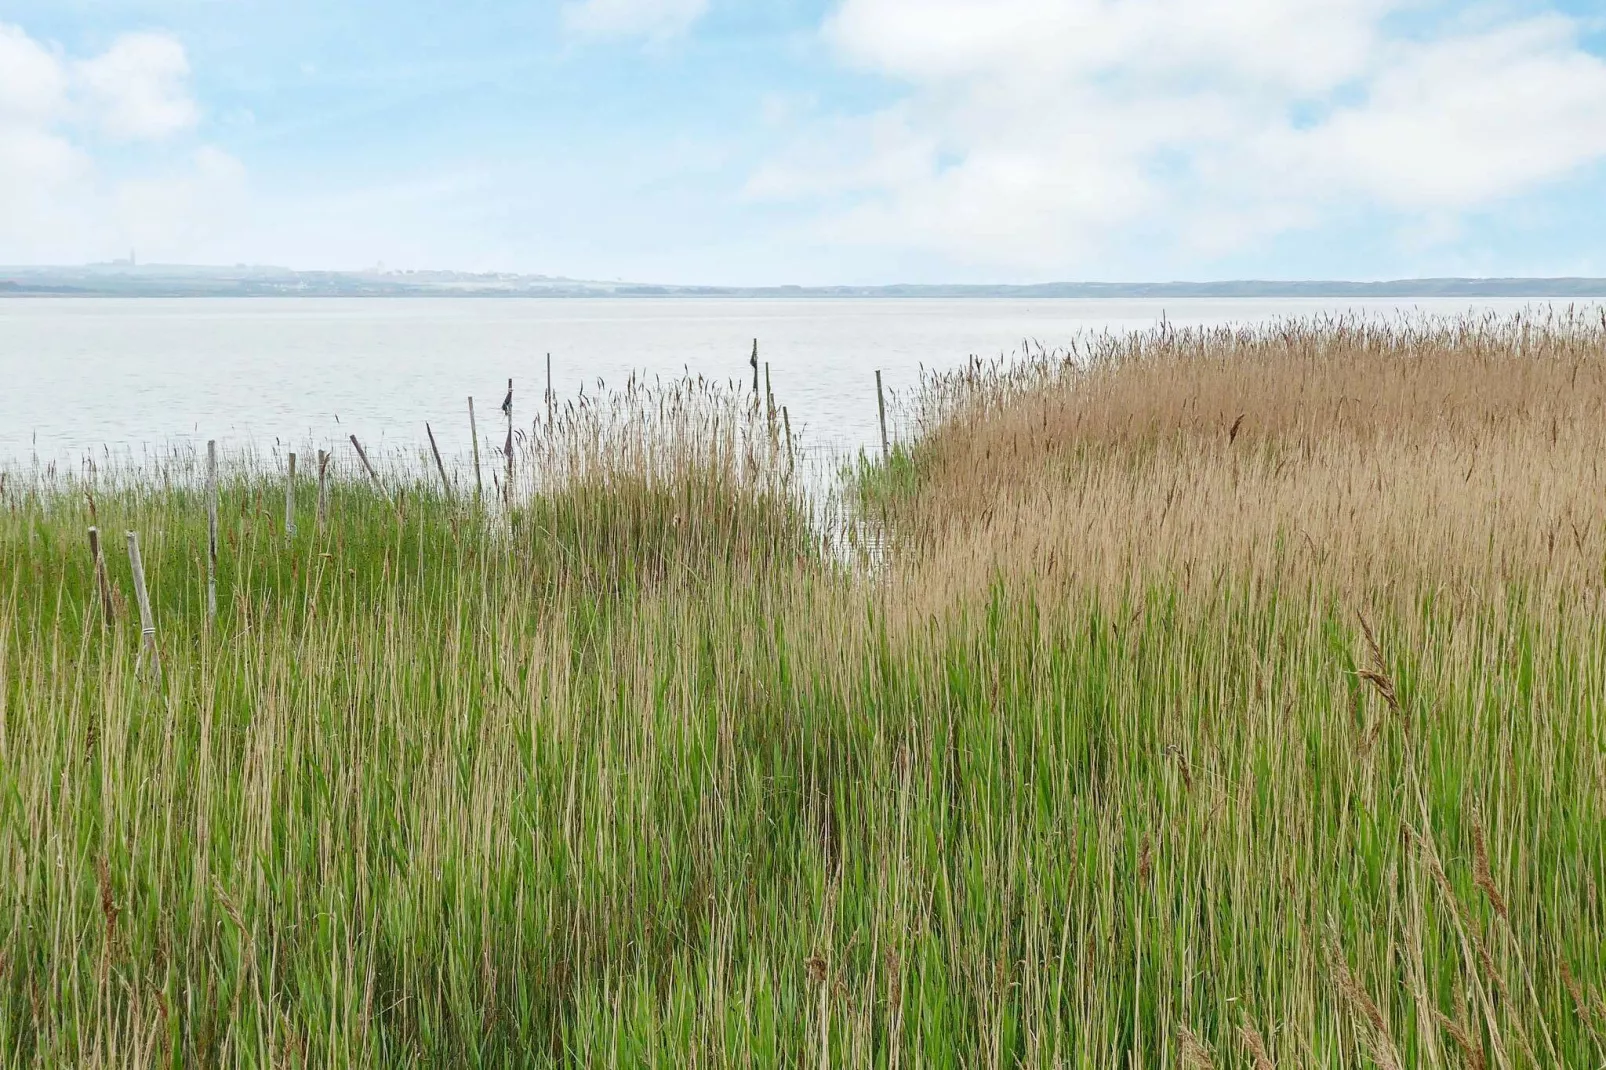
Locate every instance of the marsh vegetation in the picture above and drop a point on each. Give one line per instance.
(1233, 697)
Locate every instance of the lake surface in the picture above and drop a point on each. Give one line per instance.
(79, 376)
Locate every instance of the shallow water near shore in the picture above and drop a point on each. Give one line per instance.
(131, 378)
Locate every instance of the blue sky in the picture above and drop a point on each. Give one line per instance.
(794, 141)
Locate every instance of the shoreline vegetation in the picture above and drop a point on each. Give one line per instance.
(1214, 697)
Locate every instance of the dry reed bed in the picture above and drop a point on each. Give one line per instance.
(1354, 453)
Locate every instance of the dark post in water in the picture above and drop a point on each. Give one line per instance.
(474, 433)
(881, 407)
(507, 448)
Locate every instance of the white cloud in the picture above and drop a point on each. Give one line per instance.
(138, 88)
(36, 162)
(1455, 123)
(656, 19)
(1042, 134)
(33, 82)
(58, 199)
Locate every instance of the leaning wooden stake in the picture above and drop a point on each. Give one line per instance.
(769, 395)
(881, 407)
(439, 467)
(290, 499)
(323, 487)
(211, 528)
(363, 457)
(147, 622)
(100, 578)
(474, 433)
(551, 398)
(753, 360)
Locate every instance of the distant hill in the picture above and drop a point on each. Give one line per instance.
(162, 280)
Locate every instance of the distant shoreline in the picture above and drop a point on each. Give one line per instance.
(179, 282)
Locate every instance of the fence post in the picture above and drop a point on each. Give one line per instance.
(474, 433)
(786, 422)
(290, 499)
(211, 528)
(100, 578)
(881, 408)
(147, 622)
(373, 475)
(507, 449)
(439, 467)
(323, 488)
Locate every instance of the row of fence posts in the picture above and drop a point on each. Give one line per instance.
(786, 419)
(147, 620)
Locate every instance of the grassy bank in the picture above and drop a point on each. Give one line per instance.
(1224, 697)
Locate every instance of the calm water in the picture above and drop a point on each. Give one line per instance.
(80, 375)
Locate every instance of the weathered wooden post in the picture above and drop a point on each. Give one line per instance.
(147, 622)
(551, 398)
(881, 407)
(290, 499)
(372, 475)
(100, 578)
(786, 422)
(753, 360)
(211, 528)
(439, 467)
(323, 488)
(507, 449)
(474, 433)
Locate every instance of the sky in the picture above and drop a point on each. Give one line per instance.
(811, 141)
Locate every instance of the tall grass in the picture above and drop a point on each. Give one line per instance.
(1105, 764)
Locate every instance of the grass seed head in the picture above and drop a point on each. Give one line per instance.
(1255, 1044)
(1194, 1051)
(1471, 1053)
(1482, 874)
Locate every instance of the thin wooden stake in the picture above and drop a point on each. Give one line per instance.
(147, 622)
(373, 475)
(439, 467)
(786, 422)
(100, 578)
(551, 398)
(211, 528)
(753, 360)
(473, 430)
(290, 499)
(323, 487)
(769, 395)
(507, 450)
(881, 406)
